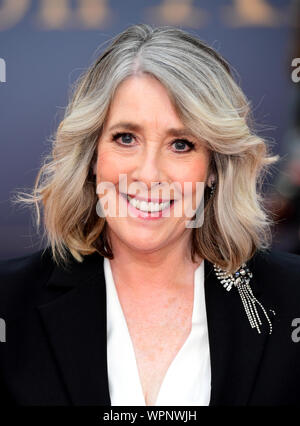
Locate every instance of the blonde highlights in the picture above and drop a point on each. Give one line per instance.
(208, 100)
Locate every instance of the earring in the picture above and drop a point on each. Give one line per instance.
(212, 188)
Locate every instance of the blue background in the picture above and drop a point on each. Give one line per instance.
(43, 60)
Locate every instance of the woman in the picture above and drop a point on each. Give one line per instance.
(140, 308)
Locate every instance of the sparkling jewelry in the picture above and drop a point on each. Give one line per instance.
(212, 188)
(240, 279)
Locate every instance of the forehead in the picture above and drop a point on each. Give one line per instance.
(143, 98)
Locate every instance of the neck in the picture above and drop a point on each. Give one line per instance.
(166, 268)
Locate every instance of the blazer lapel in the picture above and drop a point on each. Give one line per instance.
(236, 349)
(76, 326)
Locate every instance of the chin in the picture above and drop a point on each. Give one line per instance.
(144, 244)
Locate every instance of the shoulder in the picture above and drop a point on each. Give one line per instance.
(32, 266)
(21, 278)
(277, 263)
(24, 264)
(277, 276)
(27, 281)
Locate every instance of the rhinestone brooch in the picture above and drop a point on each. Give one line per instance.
(240, 279)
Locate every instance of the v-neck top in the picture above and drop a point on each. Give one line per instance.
(188, 378)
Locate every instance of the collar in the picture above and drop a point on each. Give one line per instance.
(76, 326)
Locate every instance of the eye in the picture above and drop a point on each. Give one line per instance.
(182, 143)
(125, 138)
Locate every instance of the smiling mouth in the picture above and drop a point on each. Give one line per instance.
(147, 207)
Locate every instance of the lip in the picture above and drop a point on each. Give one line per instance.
(147, 215)
(148, 199)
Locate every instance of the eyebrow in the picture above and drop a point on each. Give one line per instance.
(137, 128)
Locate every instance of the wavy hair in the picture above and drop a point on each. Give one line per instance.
(210, 103)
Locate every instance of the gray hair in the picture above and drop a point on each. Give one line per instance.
(209, 102)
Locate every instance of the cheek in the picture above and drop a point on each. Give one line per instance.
(109, 166)
(188, 176)
(194, 171)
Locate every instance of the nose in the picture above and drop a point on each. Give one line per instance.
(149, 168)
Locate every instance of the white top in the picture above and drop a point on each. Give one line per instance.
(188, 378)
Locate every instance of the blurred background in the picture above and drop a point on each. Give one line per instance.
(46, 44)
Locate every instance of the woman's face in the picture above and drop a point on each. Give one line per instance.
(137, 145)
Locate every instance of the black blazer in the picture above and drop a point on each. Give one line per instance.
(56, 354)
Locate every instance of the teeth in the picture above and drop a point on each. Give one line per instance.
(147, 207)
